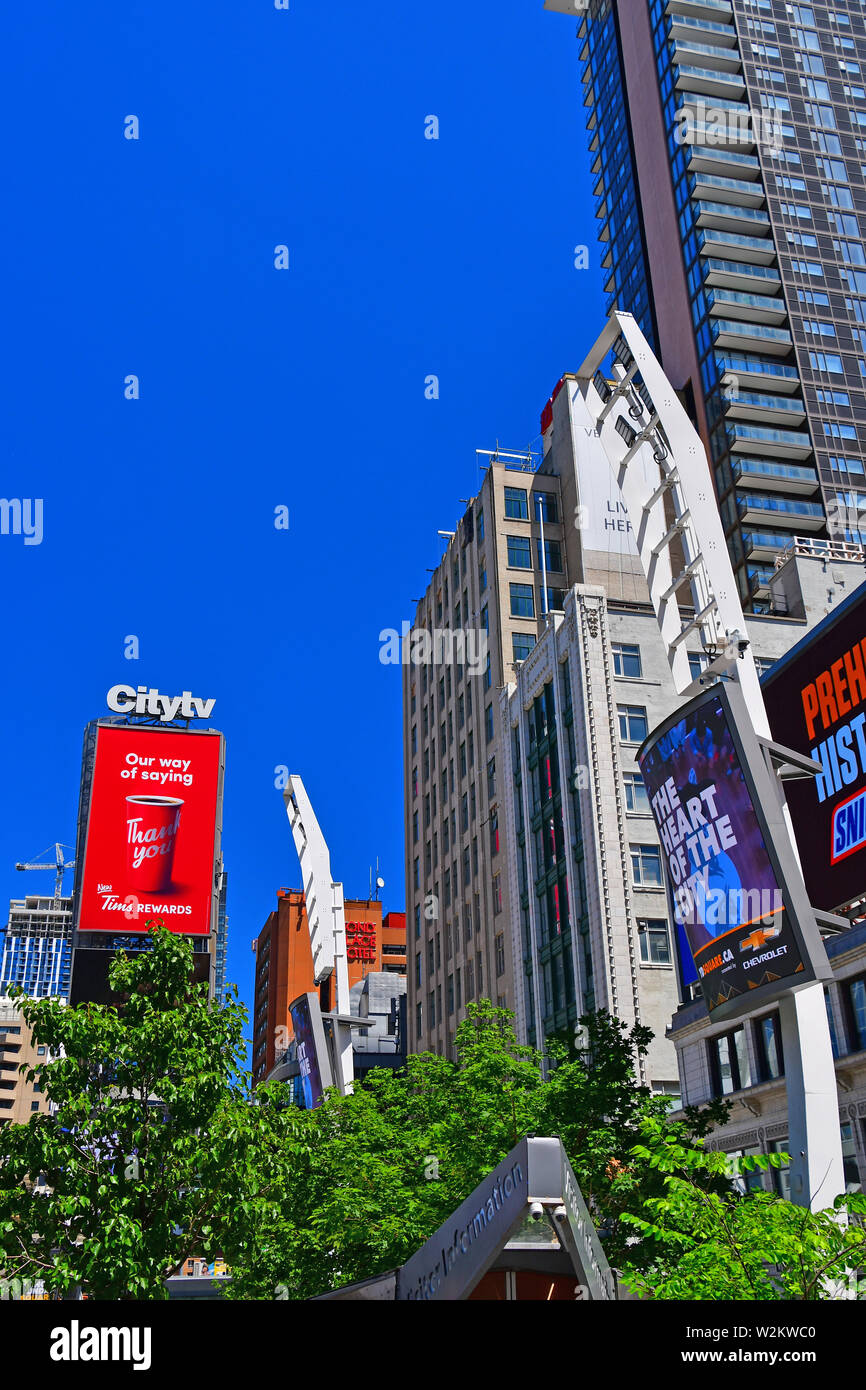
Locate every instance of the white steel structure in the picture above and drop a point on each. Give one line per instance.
(326, 919)
(634, 417)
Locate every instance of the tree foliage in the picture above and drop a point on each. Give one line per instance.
(157, 1150)
(726, 1244)
(134, 1090)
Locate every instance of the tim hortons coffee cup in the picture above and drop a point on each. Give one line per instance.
(151, 831)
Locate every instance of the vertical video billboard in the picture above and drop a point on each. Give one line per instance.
(737, 893)
(816, 704)
(152, 825)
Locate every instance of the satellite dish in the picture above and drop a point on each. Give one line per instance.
(380, 883)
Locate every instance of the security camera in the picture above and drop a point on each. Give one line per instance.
(536, 1211)
(739, 640)
(559, 1213)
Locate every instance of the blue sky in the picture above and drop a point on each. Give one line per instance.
(260, 387)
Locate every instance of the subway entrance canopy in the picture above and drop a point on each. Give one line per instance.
(524, 1234)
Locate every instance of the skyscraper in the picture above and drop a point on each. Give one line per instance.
(726, 140)
(36, 947)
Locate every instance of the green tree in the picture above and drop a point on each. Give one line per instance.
(134, 1089)
(711, 1243)
(355, 1187)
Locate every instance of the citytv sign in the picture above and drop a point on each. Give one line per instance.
(128, 699)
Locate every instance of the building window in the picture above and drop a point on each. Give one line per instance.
(417, 921)
(497, 895)
(450, 994)
(488, 675)
(698, 662)
(522, 644)
(417, 873)
(633, 727)
(850, 1168)
(626, 661)
(458, 997)
(488, 723)
(494, 832)
(646, 866)
(479, 524)
(546, 506)
(552, 556)
(516, 505)
(729, 1062)
(482, 579)
(636, 798)
(415, 827)
(500, 954)
(491, 779)
(431, 1007)
(768, 1047)
(855, 998)
(655, 941)
(522, 601)
(834, 1041)
(519, 552)
(470, 980)
(670, 1089)
(479, 973)
(418, 968)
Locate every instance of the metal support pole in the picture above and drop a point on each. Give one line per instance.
(817, 1175)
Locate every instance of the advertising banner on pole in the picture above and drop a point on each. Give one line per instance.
(816, 704)
(153, 822)
(315, 1067)
(737, 892)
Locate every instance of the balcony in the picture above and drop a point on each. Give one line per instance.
(709, 81)
(736, 191)
(776, 443)
(700, 9)
(682, 26)
(732, 333)
(755, 507)
(757, 371)
(739, 275)
(775, 410)
(759, 579)
(699, 55)
(775, 477)
(765, 545)
(751, 308)
(731, 136)
(708, 159)
(727, 217)
(757, 250)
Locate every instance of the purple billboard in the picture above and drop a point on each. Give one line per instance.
(732, 874)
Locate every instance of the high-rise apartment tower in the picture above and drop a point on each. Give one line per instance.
(727, 141)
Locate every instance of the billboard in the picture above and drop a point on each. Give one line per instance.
(816, 704)
(315, 1069)
(737, 893)
(151, 838)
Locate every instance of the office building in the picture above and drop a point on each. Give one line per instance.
(745, 1063)
(36, 947)
(375, 947)
(19, 1098)
(727, 141)
(591, 926)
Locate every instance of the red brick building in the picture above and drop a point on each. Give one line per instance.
(284, 965)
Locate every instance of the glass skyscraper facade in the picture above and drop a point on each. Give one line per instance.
(36, 947)
(727, 140)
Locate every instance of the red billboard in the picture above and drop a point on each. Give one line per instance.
(152, 827)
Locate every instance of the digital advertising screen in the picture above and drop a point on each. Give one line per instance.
(733, 876)
(315, 1072)
(816, 704)
(152, 825)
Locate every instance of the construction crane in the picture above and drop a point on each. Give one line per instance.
(60, 865)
